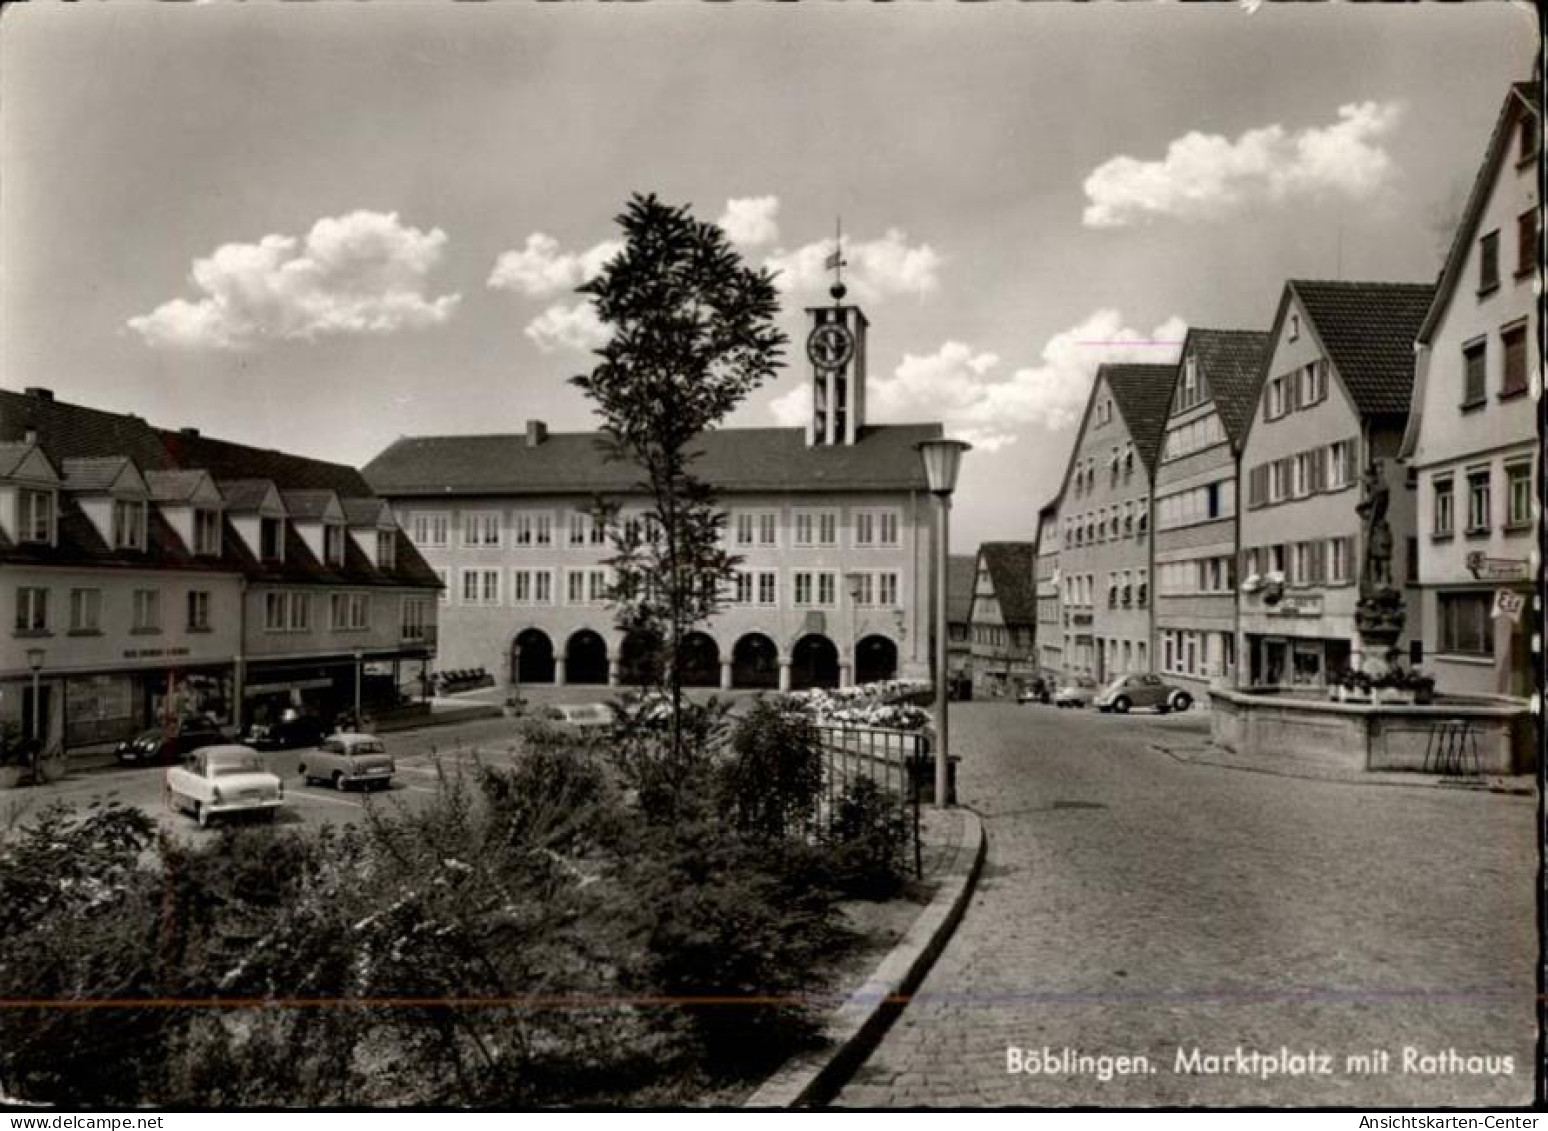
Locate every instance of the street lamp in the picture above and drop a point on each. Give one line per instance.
(359, 663)
(35, 657)
(942, 459)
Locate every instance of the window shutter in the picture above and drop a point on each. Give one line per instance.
(1293, 391)
(1318, 562)
(1319, 469)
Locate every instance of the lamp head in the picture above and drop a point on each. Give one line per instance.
(942, 460)
(35, 657)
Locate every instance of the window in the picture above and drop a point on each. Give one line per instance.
(1189, 391)
(1443, 515)
(1465, 627)
(1340, 471)
(85, 610)
(429, 528)
(349, 611)
(333, 543)
(1142, 588)
(1340, 553)
(480, 587)
(206, 531)
(147, 610)
(1514, 343)
(414, 620)
(1314, 383)
(31, 610)
(744, 530)
(815, 588)
(887, 590)
(1279, 480)
(1478, 501)
(35, 512)
(300, 612)
(128, 525)
(386, 549)
(1274, 404)
(768, 588)
(864, 589)
(481, 528)
(816, 528)
(271, 539)
(533, 528)
(1142, 511)
(198, 610)
(1302, 468)
(1257, 486)
(275, 612)
(768, 528)
(1295, 327)
(532, 587)
(1489, 262)
(1526, 242)
(1518, 495)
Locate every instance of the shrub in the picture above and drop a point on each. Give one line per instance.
(869, 835)
(773, 780)
(671, 782)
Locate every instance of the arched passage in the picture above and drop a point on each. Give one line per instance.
(698, 658)
(876, 657)
(532, 657)
(814, 662)
(585, 658)
(754, 662)
(639, 659)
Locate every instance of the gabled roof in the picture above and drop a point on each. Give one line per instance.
(98, 474)
(367, 512)
(1368, 331)
(1523, 97)
(1143, 394)
(961, 572)
(1013, 573)
(176, 486)
(312, 506)
(1231, 363)
(731, 460)
(247, 496)
(14, 458)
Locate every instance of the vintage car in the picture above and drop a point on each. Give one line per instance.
(170, 742)
(343, 760)
(582, 717)
(1035, 690)
(1076, 692)
(224, 779)
(292, 729)
(1125, 692)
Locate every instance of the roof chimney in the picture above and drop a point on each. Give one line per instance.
(40, 393)
(191, 433)
(30, 436)
(537, 432)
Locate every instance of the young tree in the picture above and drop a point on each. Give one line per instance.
(693, 334)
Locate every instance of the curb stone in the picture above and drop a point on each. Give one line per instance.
(859, 1024)
(1199, 756)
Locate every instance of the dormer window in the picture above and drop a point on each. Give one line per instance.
(333, 544)
(128, 525)
(386, 549)
(206, 530)
(1295, 327)
(271, 539)
(35, 516)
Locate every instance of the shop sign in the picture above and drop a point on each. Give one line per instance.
(288, 685)
(152, 653)
(1485, 568)
(1298, 605)
(1508, 604)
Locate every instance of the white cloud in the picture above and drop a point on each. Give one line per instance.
(563, 327)
(361, 273)
(749, 221)
(1206, 176)
(968, 390)
(876, 268)
(542, 268)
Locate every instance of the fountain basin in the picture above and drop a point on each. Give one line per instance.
(1304, 724)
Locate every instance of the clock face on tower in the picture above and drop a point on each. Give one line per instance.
(830, 346)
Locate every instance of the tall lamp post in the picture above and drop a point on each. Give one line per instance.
(35, 657)
(942, 459)
(359, 663)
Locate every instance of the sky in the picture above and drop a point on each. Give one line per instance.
(321, 227)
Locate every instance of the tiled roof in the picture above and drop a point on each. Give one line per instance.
(732, 460)
(365, 512)
(1143, 394)
(243, 496)
(93, 474)
(173, 486)
(961, 571)
(1523, 97)
(1368, 330)
(94, 446)
(11, 456)
(1013, 573)
(1232, 365)
(308, 504)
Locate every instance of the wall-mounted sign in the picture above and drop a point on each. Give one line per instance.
(1298, 605)
(1485, 568)
(152, 653)
(1508, 604)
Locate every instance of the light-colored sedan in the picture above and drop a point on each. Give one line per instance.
(343, 760)
(224, 779)
(580, 716)
(1077, 692)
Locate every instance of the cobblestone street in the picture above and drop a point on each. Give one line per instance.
(1133, 905)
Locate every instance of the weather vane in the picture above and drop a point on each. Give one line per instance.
(836, 262)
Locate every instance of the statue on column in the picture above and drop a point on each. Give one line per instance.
(1379, 614)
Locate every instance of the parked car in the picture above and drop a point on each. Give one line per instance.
(224, 779)
(343, 760)
(1036, 690)
(170, 742)
(1142, 690)
(291, 730)
(1078, 692)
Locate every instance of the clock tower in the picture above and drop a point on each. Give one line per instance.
(836, 349)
